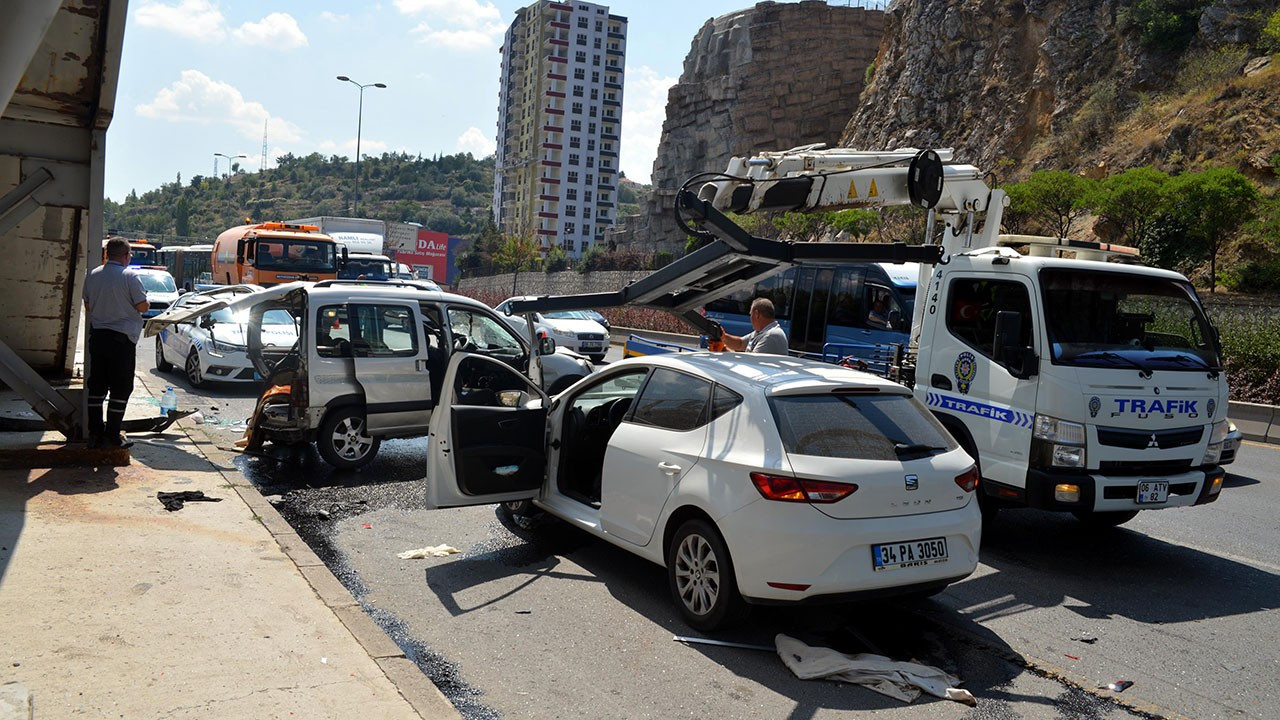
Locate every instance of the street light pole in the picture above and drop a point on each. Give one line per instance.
(229, 159)
(359, 127)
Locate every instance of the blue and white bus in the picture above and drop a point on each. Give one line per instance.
(835, 310)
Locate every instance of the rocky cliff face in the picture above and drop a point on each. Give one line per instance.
(777, 75)
(1018, 83)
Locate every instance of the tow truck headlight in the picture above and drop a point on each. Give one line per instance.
(1217, 435)
(1064, 441)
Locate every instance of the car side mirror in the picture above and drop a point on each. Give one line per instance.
(183, 291)
(206, 322)
(895, 319)
(1020, 360)
(546, 346)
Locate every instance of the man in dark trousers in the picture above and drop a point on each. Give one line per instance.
(114, 301)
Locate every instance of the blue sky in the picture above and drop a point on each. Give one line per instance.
(200, 77)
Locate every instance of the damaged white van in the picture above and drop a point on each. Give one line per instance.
(369, 361)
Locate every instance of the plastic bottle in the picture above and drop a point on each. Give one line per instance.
(168, 401)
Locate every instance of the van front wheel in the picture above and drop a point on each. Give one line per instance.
(344, 441)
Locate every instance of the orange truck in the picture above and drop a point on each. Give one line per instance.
(141, 253)
(272, 253)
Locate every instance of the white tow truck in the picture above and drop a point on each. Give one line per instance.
(1077, 384)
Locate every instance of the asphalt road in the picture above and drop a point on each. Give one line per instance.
(546, 622)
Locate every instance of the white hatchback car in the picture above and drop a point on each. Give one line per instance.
(753, 479)
(571, 329)
(214, 347)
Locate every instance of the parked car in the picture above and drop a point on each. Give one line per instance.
(1231, 443)
(569, 328)
(752, 479)
(214, 346)
(369, 361)
(162, 291)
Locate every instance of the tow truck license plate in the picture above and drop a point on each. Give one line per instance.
(913, 553)
(1153, 491)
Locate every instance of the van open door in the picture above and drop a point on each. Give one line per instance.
(487, 436)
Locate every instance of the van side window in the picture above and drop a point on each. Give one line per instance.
(972, 308)
(333, 332)
(673, 400)
(383, 331)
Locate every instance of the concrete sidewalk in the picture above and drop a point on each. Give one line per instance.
(113, 606)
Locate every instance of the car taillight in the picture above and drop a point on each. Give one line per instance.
(791, 489)
(968, 480)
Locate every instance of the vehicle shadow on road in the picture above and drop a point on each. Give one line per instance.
(19, 486)
(921, 630)
(1107, 573)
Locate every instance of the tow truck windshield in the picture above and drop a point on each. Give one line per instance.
(1106, 319)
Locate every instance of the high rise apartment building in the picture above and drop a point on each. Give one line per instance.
(559, 124)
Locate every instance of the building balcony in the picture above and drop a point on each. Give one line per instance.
(553, 111)
(609, 153)
(617, 36)
(613, 103)
(552, 146)
(558, 41)
(613, 85)
(555, 94)
(543, 231)
(549, 198)
(552, 128)
(549, 215)
(553, 181)
(552, 163)
(558, 24)
(557, 59)
(610, 51)
(609, 136)
(560, 6)
(556, 76)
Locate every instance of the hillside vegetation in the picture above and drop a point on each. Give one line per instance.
(450, 194)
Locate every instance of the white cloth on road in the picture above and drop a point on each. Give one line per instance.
(426, 552)
(901, 680)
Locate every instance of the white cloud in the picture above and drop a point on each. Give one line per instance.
(467, 13)
(476, 142)
(644, 107)
(333, 17)
(196, 19)
(202, 20)
(197, 98)
(459, 25)
(348, 147)
(277, 30)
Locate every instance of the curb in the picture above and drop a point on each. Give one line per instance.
(421, 694)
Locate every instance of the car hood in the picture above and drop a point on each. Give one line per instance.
(571, 325)
(236, 297)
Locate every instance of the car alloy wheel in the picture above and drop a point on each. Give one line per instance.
(344, 441)
(700, 575)
(195, 375)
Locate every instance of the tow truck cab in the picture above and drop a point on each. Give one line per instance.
(1079, 385)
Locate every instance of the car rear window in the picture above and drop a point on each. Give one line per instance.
(858, 427)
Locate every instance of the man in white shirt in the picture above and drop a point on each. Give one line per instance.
(114, 301)
(767, 336)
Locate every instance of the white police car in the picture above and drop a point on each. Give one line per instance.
(213, 347)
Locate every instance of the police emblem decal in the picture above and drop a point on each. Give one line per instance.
(966, 369)
(1094, 406)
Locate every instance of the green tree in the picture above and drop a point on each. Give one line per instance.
(1211, 205)
(800, 226)
(1053, 199)
(182, 217)
(555, 260)
(1271, 32)
(1131, 201)
(518, 253)
(854, 221)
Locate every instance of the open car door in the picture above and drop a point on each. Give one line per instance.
(487, 438)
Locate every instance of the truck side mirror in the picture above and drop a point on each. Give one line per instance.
(546, 346)
(240, 251)
(1020, 360)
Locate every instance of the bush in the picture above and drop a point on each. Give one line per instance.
(1251, 353)
(1253, 277)
(1166, 24)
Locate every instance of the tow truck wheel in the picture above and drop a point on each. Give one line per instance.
(1104, 519)
(700, 576)
(195, 375)
(161, 364)
(344, 441)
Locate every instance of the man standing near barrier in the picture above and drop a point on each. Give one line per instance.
(114, 301)
(766, 335)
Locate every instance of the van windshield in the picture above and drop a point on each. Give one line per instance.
(295, 255)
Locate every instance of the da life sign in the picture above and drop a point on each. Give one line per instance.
(431, 249)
